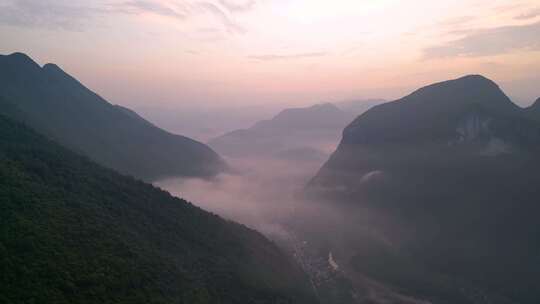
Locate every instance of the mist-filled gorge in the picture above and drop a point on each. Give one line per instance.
(267, 195)
(257, 193)
(270, 163)
(269, 152)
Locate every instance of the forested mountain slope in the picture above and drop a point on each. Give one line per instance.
(72, 231)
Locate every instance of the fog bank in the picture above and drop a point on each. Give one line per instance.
(262, 193)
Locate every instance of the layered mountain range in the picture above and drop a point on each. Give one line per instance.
(308, 133)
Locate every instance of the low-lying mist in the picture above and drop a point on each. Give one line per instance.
(266, 194)
(261, 193)
(324, 237)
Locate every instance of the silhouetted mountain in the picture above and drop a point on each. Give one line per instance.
(534, 110)
(57, 105)
(134, 114)
(315, 128)
(75, 232)
(452, 173)
(357, 107)
(322, 116)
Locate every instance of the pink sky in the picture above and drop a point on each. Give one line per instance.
(220, 52)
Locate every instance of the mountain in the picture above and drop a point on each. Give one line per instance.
(534, 110)
(357, 107)
(317, 116)
(57, 105)
(446, 180)
(470, 112)
(314, 129)
(134, 115)
(75, 232)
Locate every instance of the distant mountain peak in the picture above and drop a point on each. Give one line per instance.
(59, 106)
(294, 133)
(325, 106)
(464, 82)
(19, 59)
(54, 70)
(475, 77)
(425, 114)
(294, 113)
(52, 67)
(467, 89)
(19, 56)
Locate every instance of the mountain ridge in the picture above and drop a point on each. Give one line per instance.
(58, 105)
(425, 109)
(314, 128)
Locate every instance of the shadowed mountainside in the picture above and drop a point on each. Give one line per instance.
(75, 232)
(452, 170)
(534, 110)
(57, 105)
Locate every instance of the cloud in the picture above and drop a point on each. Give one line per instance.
(457, 21)
(207, 34)
(54, 14)
(238, 5)
(273, 57)
(489, 42)
(230, 26)
(529, 15)
(509, 7)
(186, 10)
(68, 15)
(148, 6)
(260, 194)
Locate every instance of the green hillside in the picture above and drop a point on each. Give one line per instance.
(72, 231)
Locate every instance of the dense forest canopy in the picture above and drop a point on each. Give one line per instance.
(72, 231)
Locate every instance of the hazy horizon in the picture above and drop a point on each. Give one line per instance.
(237, 53)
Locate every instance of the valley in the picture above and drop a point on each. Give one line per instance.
(269, 152)
(371, 222)
(345, 235)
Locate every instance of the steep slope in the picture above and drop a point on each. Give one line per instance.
(72, 231)
(534, 110)
(450, 173)
(134, 115)
(316, 116)
(313, 128)
(57, 105)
